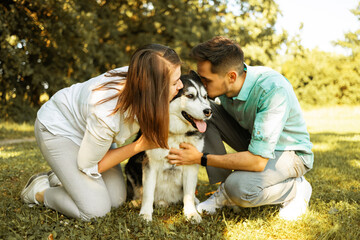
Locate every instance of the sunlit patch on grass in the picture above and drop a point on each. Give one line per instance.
(354, 138)
(336, 119)
(13, 130)
(8, 154)
(354, 163)
(323, 147)
(202, 175)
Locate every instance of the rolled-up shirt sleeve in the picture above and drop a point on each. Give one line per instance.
(270, 119)
(96, 142)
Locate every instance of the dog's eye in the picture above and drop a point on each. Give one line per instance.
(190, 95)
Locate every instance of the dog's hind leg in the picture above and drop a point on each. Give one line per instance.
(189, 184)
(133, 171)
(149, 184)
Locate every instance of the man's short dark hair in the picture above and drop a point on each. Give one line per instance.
(222, 53)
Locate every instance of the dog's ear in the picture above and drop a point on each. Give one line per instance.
(194, 75)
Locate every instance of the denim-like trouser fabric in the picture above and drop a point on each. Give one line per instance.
(79, 196)
(276, 184)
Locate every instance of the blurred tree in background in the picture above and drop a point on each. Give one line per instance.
(321, 78)
(47, 45)
(352, 39)
(251, 24)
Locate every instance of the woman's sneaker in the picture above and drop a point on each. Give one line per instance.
(53, 179)
(296, 207)
(37, 183)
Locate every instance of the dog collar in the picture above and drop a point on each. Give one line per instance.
(204, 159)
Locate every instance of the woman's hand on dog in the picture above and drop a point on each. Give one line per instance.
(186, 155)
(144, 144)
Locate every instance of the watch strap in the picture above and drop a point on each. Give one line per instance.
(204, 159)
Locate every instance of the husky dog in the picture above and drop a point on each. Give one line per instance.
(162, 182)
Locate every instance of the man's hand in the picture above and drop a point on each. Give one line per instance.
(245, 161)
(186, 155)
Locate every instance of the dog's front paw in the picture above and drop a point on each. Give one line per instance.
(193, 217)
(146, 217)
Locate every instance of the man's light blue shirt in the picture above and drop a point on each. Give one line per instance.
(268, 108)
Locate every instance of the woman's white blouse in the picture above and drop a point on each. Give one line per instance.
(75, 113)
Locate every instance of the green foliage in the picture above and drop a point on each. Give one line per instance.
(252, 26)
(352, 39)
(47, 45)
(334, 211)
(321, 78)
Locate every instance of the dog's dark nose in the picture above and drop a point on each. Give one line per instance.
(207, 112)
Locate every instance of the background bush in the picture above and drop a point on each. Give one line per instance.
(321, 78)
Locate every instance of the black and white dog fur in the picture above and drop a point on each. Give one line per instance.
(162, 182)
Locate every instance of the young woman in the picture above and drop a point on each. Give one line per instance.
(77, 126)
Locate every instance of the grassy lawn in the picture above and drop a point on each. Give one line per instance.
(15, 131)
(334, 211)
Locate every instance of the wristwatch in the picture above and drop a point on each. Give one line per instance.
(204, 159)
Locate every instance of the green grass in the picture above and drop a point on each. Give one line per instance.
(333, 214)
(14, 131)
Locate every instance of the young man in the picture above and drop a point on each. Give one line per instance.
(259, 117)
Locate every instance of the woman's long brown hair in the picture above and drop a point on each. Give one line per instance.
(145, 96)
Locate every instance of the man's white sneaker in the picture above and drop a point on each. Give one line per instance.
(215, 201)
(53, 179)
(37, 183)
(296, 207)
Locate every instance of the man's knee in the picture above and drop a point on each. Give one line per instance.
(242, 190)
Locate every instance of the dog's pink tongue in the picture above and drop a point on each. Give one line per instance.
(201, 125)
